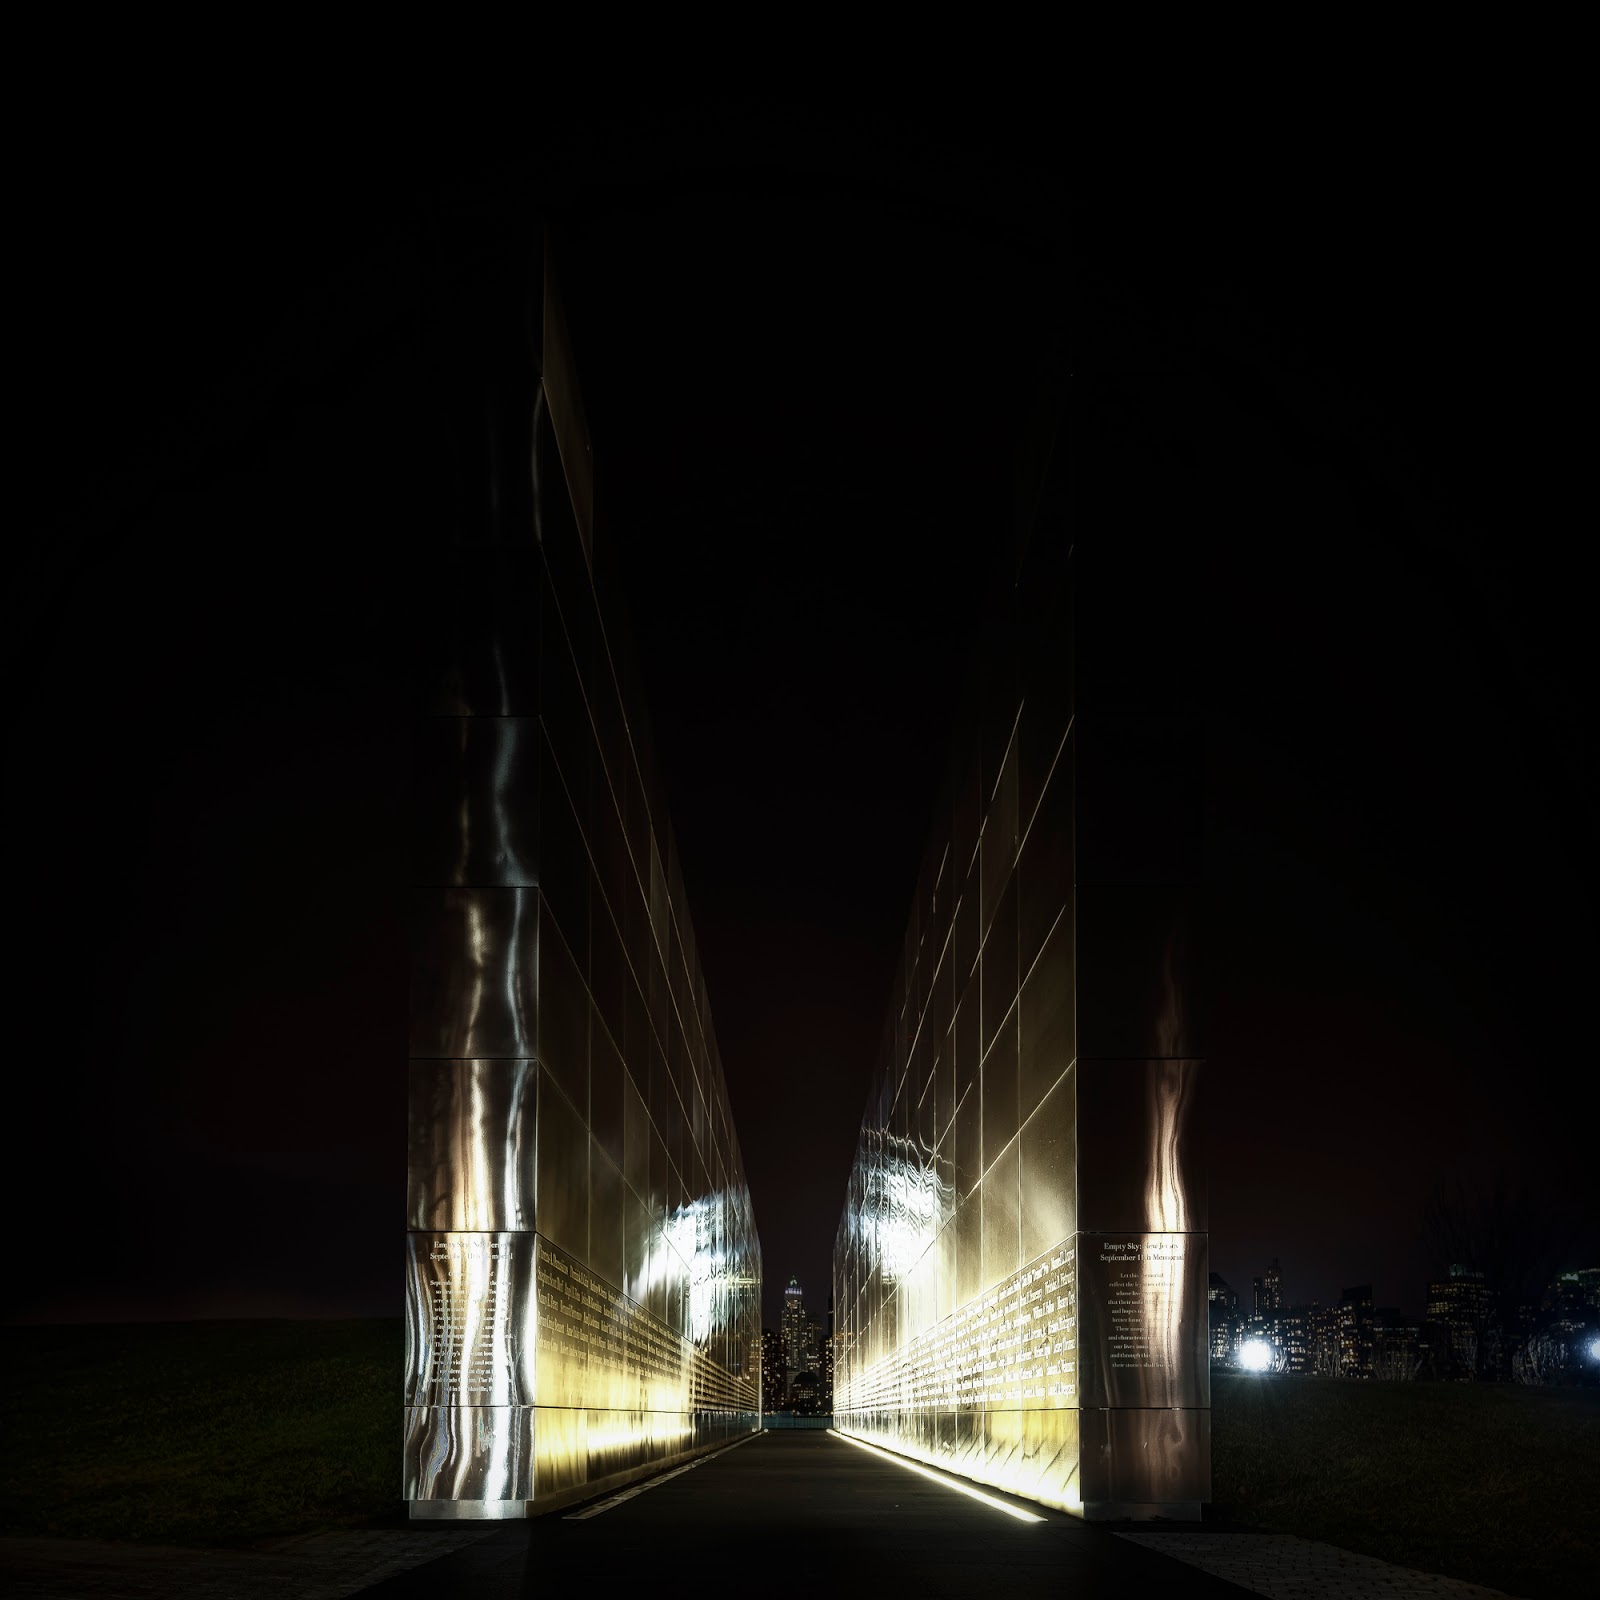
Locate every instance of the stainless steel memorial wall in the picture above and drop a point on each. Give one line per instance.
(1020, 1269)
(582, 1267)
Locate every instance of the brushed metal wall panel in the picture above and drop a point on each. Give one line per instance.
(605, 1215)
(469, 1320)
(1145, 1458)
(969, 1248)
(1044, 864)
(1142, 1146)
(640, 1243)
(1001, 1205)
(636, 1137)
(997, 966)
(1047, 1022)
(474, 972)
(998, 1084)
(997, 846)
(1050, 1445)
(471, 1142)
(479, 656)
(566, 874)
(606, 1105)
(562, 1178)
(1047, 1186)
(468, 1453)
(475, 801)
(967, 1038)
(564, 1017)
(1140, 989)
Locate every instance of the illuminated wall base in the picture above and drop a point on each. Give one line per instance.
(533, 1335)
(1072, 1382)
(1101, 1465)
(498, 1462)
(1029, 1453)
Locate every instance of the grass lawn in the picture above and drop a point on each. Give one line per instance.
(1491, 1483)
(201, 1433)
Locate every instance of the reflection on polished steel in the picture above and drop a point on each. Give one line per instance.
(470, 1453)
(471, 1151)
(1020, 1269)
(583, 1273)
(474, 971)
(1167, 1221)
(475, 801)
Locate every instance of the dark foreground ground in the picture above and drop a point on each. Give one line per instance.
(200, 1433)
(803, 1513)
(239, 1434)
(1496, 1484)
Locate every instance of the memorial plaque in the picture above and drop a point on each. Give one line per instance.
(1143, 1342)
(469, 1319)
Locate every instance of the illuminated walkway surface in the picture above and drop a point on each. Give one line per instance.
(802, 1513)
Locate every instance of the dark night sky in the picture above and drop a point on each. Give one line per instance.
(805, 341)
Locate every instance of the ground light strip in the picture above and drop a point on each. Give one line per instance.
(638, 1489)
(939, 1477)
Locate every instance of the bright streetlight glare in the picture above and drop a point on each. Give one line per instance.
(1255, 1355)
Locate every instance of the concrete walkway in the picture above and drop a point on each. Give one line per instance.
(803, 1513)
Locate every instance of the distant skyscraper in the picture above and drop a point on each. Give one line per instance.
(1324, 1341)
(1460, 1312)
(794, 1334)
(827, 1361)
(1356, 1325)
(1222, 1306)
(774, 1378)
(1272, 1289)
(1296, 1327)
(813, 1349)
